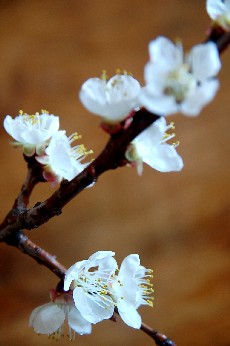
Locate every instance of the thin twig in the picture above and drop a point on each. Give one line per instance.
(34, 176)
(160, 339)
(220, 37)
(41, 256)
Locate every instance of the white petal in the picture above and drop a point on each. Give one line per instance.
(100, 255)
(199, 98)
(122, 87)
(227, 6)
(164, 105)
(90, 310)
(104, 260)
(205, 61)
(129, 266)
(78, 323)
(215, 8)
(164, 52)
(164, 158)
(46, 319)
(155, 78)
(73, 274)
(129, 315)
(151, 136)
(126, 290)
(92, 95)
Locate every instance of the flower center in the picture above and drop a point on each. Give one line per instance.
(179, 82)
(95, 285)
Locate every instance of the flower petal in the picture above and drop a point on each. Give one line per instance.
(92, 310)
(129, 266)
(77, 322)
(129, 315)
(46, 319)
(73, 273)
(205, 61)
(200, 97)
(164, 52)
(164, 158)
(215, 8)
(104, 260)
(162, 105)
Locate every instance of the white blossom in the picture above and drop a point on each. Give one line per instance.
(61, 161)
(89, 281)
(32, 131)
(219, 11)
(113, 99)
(150, 147)
(132, 288)
(49, 318)
(175, 83)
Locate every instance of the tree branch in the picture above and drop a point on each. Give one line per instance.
(220, 37)
(25, 245)
(160, 339)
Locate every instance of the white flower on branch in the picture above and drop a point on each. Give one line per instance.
(32, 131)
(175, 83)
(61, 161)
(132, 288)
(219, 11)
(49, 318)
(113, 99)
(150, 147)
(89, 281)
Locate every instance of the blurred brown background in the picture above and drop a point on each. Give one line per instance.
(177, 222)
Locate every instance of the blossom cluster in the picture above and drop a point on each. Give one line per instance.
(39, 135)
(93, 288)
(174, 83)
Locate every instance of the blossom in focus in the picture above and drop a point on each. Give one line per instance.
(113, 99)
(151, 147)
(132, 288)
(49, 318)
(61, 161)
(219, 11)
(32, 131)
(175, 83)
(89, 281)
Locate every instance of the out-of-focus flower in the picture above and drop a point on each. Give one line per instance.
(61, 161)
(49, 318)
(132, 288)
(219, 11)
(113, 99)
(178, 84)
(150, 147)
(89, 281)
(32, 131)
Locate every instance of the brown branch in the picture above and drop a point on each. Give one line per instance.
(34, 176)
(160, 339)
(220, 37)
(25, 245)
